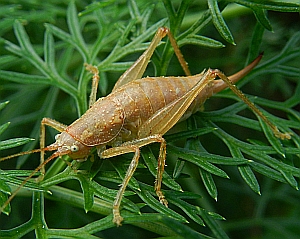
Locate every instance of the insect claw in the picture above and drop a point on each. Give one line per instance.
(162, 198)
(117, 217)
(282, 136)
(164, 202)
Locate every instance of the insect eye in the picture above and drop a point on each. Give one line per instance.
(74, 148)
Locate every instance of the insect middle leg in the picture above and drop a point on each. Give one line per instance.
(134, 146)
(137, 70)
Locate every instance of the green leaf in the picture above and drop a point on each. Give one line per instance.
(133, 10)
(275, 142)
(4, 188)
(210, 168)
(3, 199)
(209, 183)
(3, 104)
(182, 230)
(261, 16)
(290, 179)
(49, 50)
(188, 134)
(212, 224)
(178, 168)
(157, 206)
(24, 78)
(219, 22)
(151, 163)
(95, 6)
(190, 210)
(244, 170)
(88, 192)
(60, 33)
(4, 127)
(193, 156)
(274, 163)
(26, 50)
(12, 176)
(256, 41)
(5, 191)
(201, 41)
(11, 143)
(109, 195)
(282, 6)
(249, 177)
(74, 28)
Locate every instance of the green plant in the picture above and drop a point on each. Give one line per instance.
(42, 75)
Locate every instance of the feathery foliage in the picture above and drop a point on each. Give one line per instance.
(222, 154)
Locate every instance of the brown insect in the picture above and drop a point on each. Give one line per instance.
(138, 112)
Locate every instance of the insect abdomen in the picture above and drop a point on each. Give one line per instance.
(162, 91)
(142, 98)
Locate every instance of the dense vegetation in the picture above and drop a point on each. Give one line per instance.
(223, 163)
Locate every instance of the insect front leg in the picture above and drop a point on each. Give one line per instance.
(134, 147)
(95, 82)
(53, 124)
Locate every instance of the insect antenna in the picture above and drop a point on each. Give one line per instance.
(54, 155)
(48, 148)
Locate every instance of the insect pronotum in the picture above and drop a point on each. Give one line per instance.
(138, 112)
